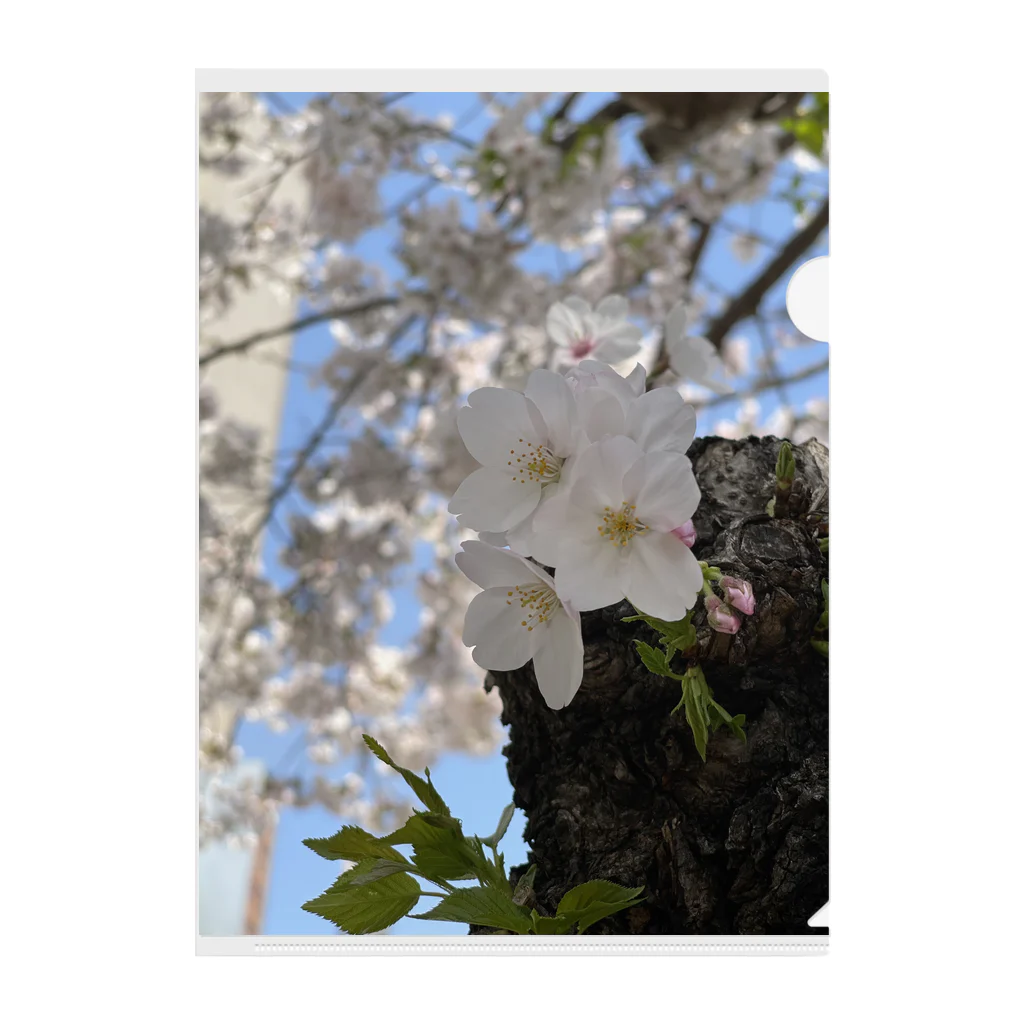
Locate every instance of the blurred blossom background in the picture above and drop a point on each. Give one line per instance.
(365, 261)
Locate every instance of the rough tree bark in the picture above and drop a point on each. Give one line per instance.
(613, 787)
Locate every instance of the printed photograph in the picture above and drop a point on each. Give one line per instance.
(513, 549)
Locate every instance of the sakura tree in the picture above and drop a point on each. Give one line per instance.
(529, 237)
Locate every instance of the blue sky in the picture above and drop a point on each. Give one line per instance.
(476, 788)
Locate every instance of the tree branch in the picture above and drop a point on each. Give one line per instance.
(313, 443)
(764, 385)
(745, 304)
(335, 313)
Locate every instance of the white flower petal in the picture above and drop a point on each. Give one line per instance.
(599, 471)
(588, 574)
(557, 522)
(489, 567)
(564, 324)
(664, 490)
(613, 307)
(579, 306)
(663, 576)
(637, 379)
(496, 540)
(675, 323)
(616, 349)
(621, 332)
(601, 413)
(521, 537)
(558, 663)
(492, 424)
(550, 393)
(493, 629)
(661, 420)
(489, 499)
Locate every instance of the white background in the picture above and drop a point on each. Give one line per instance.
(99, 510)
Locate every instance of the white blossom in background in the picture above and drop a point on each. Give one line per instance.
(603, 333)
(690, 357)
(736, 356)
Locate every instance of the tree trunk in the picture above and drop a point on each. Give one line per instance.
(613, 787)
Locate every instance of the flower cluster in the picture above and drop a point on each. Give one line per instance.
(585, 472)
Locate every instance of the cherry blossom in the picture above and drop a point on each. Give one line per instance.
(522, 441)
(519, 617)
(690, 357)
(603, 334)
(612, 536)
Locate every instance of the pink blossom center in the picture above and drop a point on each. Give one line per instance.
(582, 347)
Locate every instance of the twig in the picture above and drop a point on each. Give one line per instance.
(764, 385)
(313, 443)
(745, 304)
(335, 313)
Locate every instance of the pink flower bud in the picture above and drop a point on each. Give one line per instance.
(721, 617)
(739, 593)
(686, 533)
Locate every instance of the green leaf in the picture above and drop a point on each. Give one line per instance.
(370, 870)
(423, 789)
(453, 862)
(821, 646)
(442, 821)
(656, 661)
(480, 906)
(719, 716)
(785, 467)
(588, 903)
(371, 907)
(499, 833)
(679, 635)
(439, 852)
(416, 830)
(695, 712)
(550, 925)
(352, 843)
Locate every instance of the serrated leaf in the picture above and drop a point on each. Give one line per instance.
(477, 905)
(656, 661)
(415, 830)
(371, 907)
(442, 821)
(588, 903)
(371, 870)
(499, 833)
(352, 843)
(550, 925)
(423, 788)
(438, 852)
(449, 863)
